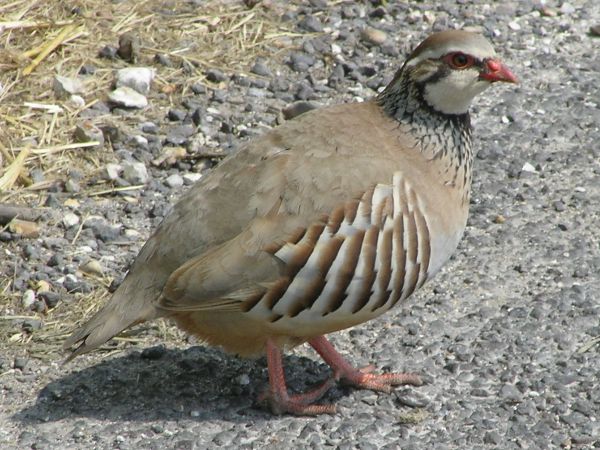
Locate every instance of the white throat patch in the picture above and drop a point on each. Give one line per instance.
(454, 93)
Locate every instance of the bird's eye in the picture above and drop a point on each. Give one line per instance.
(460, 60)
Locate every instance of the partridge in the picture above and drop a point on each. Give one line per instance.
(325, 222)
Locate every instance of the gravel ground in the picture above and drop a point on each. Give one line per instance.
(504, 336)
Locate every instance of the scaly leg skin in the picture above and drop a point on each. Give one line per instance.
(281, 401)
(360, 378)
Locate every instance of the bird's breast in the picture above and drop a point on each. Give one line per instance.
(368, 256)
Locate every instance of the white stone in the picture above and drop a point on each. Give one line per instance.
(28, 299)
(135, 172)
(65, 86)
(174, 181)
(70, 219)
(191, 178)
(128, 97)
(137, 78)
(112, 171)
(527, 167)
(76, 101)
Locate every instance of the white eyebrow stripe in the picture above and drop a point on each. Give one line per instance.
(438, 52)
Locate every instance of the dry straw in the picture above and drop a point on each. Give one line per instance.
(44, 38)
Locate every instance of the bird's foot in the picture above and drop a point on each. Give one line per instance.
(364, 378)
(361, 378)
(281, 402)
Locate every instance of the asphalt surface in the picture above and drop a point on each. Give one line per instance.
(504, 336)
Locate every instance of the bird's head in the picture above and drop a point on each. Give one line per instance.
(450, 68)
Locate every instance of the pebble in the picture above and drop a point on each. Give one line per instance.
(24, 228)
(312, 24)
(176, 115)
(50, 299)
(76, 101)
(137, 78)
(30, 325)
(191, 178)
(28, 299)
(567, 8)
(129, 47)
(373, 36)
(20, 363)
(66, 86)
(297, 108)
(128, 98)
(112, 171)
(215, 75)
(261, 69)
(70, 219)
(154, 353)
(135, 172)
(92, 267)
(174, 181)
(86, 131)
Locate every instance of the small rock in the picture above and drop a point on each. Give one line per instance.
(51, 299)
(527, 167)
(492, 437)
(149, 127)
(65, 86)
(510, 393)
(128, 98)
(28, 299)
(176, 115)
(20, 362)
(595, 30)
(174, 181)
(88, 132)
(108, 52)
(567, 8)
(295, 109)
(169, 156)
(559, 206)
(112, 171)
(153, 353)
(373, 36)
(72, 186)
(215, 75)
(76, 101)
(30, 325)
(179, 135)
(24, 228)
(412, 399)
(191, 178)
(92, 267)
(513, 25)
(135, 172)
(243, 379)
(129, 47)
(70, 219)
(163, 60)
(547, 11)
(312, 24)
(261, 69)
(137, 78)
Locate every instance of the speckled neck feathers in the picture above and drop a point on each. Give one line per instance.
(443, 137)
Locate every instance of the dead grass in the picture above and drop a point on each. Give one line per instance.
(43, 38)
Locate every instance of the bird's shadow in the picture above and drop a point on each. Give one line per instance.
(198, 383)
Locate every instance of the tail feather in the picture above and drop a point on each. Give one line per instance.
(127, 307)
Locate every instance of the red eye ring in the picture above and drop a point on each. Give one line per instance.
(458, 60)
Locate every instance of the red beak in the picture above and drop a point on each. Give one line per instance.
(494, 70)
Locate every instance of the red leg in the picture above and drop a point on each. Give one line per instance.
(361, 378)
(277, 395)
